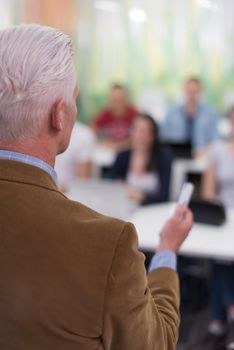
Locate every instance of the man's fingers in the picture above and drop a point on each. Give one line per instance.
(180, 212)
(184, 215)
(188, 219)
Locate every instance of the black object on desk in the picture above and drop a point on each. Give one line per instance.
(208, 212)
(180, 150)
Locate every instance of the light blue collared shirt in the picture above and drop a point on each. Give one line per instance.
(162, 259)
(204, 131)
(25, 158)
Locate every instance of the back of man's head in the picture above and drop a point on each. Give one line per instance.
(36, 70)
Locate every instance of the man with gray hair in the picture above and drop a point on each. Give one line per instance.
(70, 278)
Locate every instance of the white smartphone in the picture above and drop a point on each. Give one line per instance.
(186, 194)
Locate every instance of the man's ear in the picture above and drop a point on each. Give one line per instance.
(57, 115)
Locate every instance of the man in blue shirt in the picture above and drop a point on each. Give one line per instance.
(192, 122)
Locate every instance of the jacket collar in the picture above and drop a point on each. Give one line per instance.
(14, 171)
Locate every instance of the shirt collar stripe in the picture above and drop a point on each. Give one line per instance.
(27, 159)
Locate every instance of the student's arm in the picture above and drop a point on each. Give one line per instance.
(205, 137)
(199, 153)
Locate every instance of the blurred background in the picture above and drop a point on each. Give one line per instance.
(144, 44)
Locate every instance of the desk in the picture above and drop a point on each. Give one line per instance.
(204, 240)
(105, 196)
(110, 199)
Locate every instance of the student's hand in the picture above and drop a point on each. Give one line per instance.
(135, 195)
(176, 230)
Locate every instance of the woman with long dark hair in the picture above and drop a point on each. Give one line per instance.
(146, 166)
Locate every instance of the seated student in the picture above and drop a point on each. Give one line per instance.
(192, 122)
(219, 184)
(76, 161)
(113, 122)
(146, 167)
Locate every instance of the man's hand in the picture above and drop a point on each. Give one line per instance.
(176, 230)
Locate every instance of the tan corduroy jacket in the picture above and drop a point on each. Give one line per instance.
(72, 279)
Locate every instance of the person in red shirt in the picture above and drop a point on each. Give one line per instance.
(112, 123)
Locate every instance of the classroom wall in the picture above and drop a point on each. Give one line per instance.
(157, 48)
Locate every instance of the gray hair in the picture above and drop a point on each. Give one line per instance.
(36, 70)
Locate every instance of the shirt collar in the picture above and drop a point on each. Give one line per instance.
(27, 159)
(199, 107)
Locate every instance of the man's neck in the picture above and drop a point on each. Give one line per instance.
(31, 149)
(141, 150)
(119, 112)
(191, 108)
